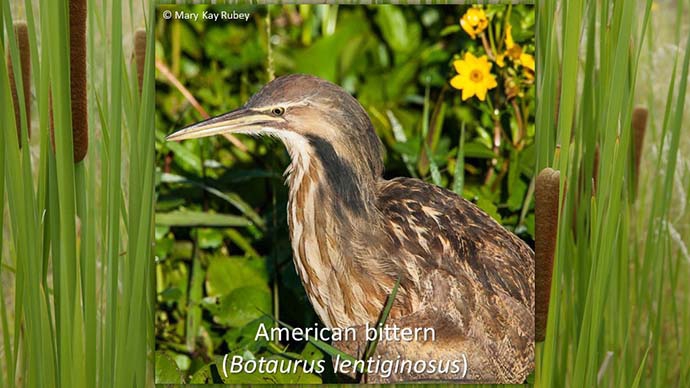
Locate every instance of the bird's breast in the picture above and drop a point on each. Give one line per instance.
(341, 295)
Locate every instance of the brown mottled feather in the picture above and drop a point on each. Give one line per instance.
(457, 237)
(474, 274)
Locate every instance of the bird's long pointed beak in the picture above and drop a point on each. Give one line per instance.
(241, 120)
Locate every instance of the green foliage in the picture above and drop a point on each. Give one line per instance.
(228, 203)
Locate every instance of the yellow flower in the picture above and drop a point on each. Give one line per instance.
(527, 61)
(515, 52)
(500, 60)
(474, 21)
(474, 78)
(509, 37)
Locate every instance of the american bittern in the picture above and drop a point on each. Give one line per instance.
(353, 233)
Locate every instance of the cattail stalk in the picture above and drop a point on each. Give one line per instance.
(546, 227)
(140, 54)
(21, 31)
(639, 127)
(80, 129)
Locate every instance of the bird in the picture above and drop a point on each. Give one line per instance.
(355, 234)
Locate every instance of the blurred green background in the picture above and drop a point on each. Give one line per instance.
(222, 248)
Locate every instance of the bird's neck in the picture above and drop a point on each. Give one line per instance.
(330, 207)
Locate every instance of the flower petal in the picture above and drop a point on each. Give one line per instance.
(457, 82)
(466, 94)
(481, 94)
(470, 59)
(500, 60)
(491, 82)
(459, 66)
(509, 37)
(527, 61)
(465, 24)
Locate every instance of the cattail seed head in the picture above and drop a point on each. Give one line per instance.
(639, 127)
(80, 129)
(21, 31)
(546, 228)
(140, 54)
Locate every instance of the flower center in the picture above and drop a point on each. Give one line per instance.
(476, 75)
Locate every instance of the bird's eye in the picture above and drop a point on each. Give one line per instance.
(278, 111)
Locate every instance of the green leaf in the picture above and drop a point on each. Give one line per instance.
(453, 28)
(489, 207)
(242, 242)
(311, 352)
(163, 247)
(529, 224)
(459, 175)
(640, 370)
(371, 346)
(171, 294)
(400, 79)
(242, 338)
(401, 37)
(193, 218)
(203, 375)
(167, 371)
(409, 149)
(232, 198)
(240, 306)
(476, 150)
(321, 58)
(227, 274)
(209, 238)
(517, 195)
(186, 158)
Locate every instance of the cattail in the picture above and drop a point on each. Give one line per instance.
(22, 32)
(140, 54)
(80, 129)
(639, 127)
(546, 227)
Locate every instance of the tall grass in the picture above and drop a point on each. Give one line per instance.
(616, 316)
(76, 247)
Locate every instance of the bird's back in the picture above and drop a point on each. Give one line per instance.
(449, 236)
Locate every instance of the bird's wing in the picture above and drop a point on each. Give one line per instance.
(440, 230)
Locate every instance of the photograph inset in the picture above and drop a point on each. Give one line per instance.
(407, 134)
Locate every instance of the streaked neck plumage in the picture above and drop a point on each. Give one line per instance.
(330, 207)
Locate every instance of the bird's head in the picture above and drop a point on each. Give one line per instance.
(309, 115)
